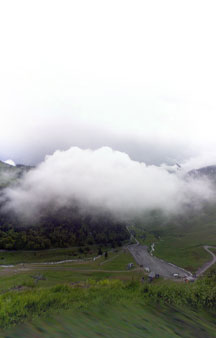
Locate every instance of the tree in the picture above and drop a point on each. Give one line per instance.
(100, 252)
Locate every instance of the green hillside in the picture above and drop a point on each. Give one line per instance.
(180, 239)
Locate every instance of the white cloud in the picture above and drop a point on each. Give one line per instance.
(104, 179)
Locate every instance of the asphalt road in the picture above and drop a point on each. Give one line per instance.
(156, 265)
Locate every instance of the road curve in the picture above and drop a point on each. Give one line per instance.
(207, 265)
(156, 265)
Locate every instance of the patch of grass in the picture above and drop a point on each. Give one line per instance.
(181, 254)
(51, 255)
(117, 261)
(213, 250)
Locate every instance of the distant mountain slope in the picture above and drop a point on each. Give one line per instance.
(10, 174)
(209, 172)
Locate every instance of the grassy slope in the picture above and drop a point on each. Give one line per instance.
(181, 241)
(185, 248)
(112, 309)
(213, 250)
(124, 320)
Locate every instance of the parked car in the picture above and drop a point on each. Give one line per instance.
(176, 275)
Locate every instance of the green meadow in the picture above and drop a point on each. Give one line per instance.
(115, 267)
(51, 255)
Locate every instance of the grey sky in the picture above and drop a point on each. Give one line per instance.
(138, 76)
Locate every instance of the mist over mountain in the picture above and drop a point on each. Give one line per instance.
(10, 174)
(208, 172)
(104, 180)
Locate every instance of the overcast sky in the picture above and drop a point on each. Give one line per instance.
(138, 76)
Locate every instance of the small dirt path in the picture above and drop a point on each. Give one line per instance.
(12, 271)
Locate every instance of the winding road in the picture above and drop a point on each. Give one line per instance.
(207, 265)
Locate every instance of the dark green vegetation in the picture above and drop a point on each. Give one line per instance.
(128, 306)
(62, 228)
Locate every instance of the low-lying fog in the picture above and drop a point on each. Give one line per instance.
(105, 179)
